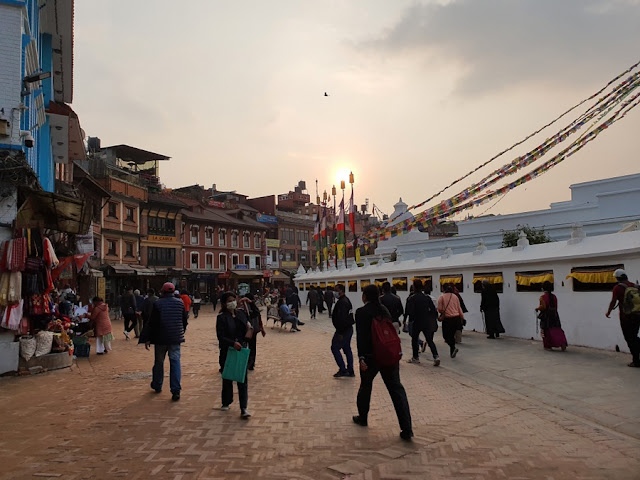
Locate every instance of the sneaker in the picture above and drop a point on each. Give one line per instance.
(224, 408)
(413, 360)
(436, 362)
(175, 397)
(244, 413)
(351, 374)
(340, 373)
(454, 353)
(406, 435)
(157, 390)
(300, 323)
(359, 420)
(294, 330)
(126, 334)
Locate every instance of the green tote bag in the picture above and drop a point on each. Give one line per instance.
(235, 367)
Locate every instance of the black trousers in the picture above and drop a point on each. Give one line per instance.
(449, 327)
(630, 326)
(312, 311)
(129, 321)
(391, 379)
(416, 330)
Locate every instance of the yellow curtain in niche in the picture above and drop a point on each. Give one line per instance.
(528, 280)
(493, 279)
(451, 279)
(593, 277)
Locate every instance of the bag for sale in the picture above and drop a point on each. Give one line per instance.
(28, 346)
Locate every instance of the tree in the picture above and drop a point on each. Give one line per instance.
(534, 235)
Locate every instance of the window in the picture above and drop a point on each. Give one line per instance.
(195, 230)
(455, 280)
(323, 285)
(129, 249)
(303, 237)
(594, 279)
(301, 287)
(258, 267)
(208, 261)
(353, 285)
(364, 283)
(532, 281)
(400, 283)
(195, 260)
(222, 238)
(494, 279)
(246, 261)
(287, 236)
(427, 282)
(130, 214)
(341, 283)
(161, 226)
(235, 259)
(112, 245)
(274, 256)
(234, 238)
(307, 286)
(113, 210)
(223, 261)
(257, 240)
(161, 257)
(208, 236)
(246, 239)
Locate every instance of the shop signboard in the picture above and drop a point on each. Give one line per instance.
(304, 245)
(161, 238)
(270, 219)
(272, 243)
(241, 266)
(288, 264)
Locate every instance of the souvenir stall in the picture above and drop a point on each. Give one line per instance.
(37, 334)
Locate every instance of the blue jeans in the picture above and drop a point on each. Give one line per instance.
(343, 342)
(174, 367)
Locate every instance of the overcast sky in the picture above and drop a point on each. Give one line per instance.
(419, 92)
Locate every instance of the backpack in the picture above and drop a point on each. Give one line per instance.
(387, 349)
(630, 304)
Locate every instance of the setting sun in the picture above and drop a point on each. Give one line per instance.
(342, 174)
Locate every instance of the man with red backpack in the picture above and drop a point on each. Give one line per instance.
(379, 350)
(626, 297)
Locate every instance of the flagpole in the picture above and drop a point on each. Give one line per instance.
(334, 238)
(353, 219)
(344, 239)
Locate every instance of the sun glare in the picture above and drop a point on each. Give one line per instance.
(342, 174)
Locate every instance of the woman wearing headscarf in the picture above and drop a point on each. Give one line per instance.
(490, 307)
(231, 329)
(552, 333)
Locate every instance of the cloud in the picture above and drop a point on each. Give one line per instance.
(497, 44)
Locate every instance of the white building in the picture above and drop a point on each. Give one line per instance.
(601, 207)
(582, 305)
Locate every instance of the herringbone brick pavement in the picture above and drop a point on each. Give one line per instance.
(99, 419)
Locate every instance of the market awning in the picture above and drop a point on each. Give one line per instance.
(55, 212)
(143, 271)
(444, 279)
(248, 273)
(492, 278)
(122, 269)
(526, 280)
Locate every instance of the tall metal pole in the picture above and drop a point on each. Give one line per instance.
(334, 239)
(344, 229)
(352, 219)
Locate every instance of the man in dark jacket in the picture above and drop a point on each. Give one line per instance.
(165, 330)
(490, 308)
(342, 318)
(329, 299)
(423, 318)
(147, 307)
(393, 304)
(128, 305)
(312, 300)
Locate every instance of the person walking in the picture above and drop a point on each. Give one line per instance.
(329, 298)
(231, 329)
(165, 330)
(248, 304)
(490, 308)
(312, 300)
(625, 297)
(186, 299)
(393, 304)
(139, 301)
(147, 307)
(320, 300)
(342, 318)
(552, 333)
(101, 322)
(369, 369)
(195, 305)
(128, 305)
(424, 318)
(451, 316)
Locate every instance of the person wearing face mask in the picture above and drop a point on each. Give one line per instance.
(232, 329)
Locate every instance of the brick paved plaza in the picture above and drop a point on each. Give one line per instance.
(502, 409)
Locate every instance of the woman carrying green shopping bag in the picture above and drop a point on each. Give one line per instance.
(233, 330)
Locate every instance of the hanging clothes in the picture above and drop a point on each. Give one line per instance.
(12, 316)
(14, 292)
(18, 254)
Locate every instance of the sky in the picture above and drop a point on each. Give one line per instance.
(419, 92)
